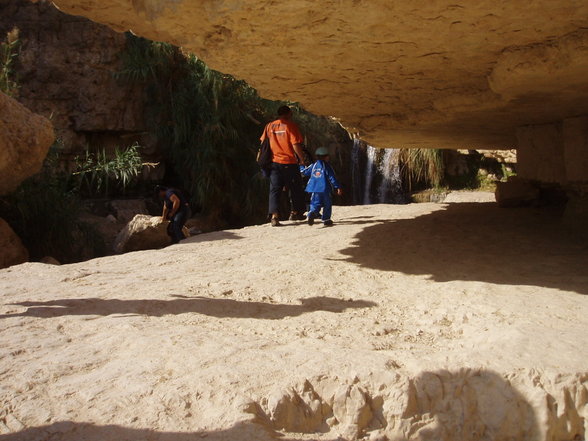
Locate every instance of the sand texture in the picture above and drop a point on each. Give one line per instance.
(458, 321)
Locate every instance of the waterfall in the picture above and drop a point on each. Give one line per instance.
(369, 175)
(375, 175)
(356, 172)
(391, 186)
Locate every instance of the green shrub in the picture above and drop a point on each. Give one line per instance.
(100, 173)
(209, 125)
(422, 168)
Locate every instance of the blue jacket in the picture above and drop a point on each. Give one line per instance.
(321, 173)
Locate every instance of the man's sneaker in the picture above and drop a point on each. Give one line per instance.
(310, 218)
(297, 217)
(275, 222)
(328, 223)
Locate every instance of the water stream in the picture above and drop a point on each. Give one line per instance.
(376, 175)
(369, 174)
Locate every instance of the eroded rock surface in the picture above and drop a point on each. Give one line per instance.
(12, 251)
(426, 73)
(66, 70)
(143, 232)
(25, 139)
(444, 405)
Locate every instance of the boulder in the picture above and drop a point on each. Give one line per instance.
(516, 192)
(48, 260)
(12, 251)
(428, 196)
(26, 138)
(143, 233)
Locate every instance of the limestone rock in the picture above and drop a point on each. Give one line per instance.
(516, 192)
(541, 152)
(143, 233)
(298, 411)
(24, 142)
(12, 251)
(66, 68)
(352, 408)
(426, 73)
(428, 196)
(48, 260)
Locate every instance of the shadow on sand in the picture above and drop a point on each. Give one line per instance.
(182, 305)
(212, 236)
(74, 431)
(477, 242)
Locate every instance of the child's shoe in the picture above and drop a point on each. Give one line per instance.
(310, 218)
(328, 223)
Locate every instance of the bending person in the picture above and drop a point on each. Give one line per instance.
(175, 209)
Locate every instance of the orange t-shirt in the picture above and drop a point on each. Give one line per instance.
(283, 134)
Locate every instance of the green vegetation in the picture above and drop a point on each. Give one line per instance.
(45, 213)
(421, 168)
(209, 124)
(102, 174)
(8, 55)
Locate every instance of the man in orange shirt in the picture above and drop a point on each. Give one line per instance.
(286, 144)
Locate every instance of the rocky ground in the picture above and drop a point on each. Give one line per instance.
(424, 321)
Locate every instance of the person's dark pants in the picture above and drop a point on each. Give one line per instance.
(177, 223)
(286, 175)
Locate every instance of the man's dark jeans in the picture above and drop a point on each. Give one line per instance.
(177, 223)
(286, 175)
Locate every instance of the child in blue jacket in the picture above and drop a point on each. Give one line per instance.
(322, 177)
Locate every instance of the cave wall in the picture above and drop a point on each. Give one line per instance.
(65, 70)
(555, 152)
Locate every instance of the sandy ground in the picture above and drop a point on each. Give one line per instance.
(424, 321)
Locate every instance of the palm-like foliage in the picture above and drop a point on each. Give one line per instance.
(422, 167)
(101, 173)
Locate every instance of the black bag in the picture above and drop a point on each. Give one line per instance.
(265, 155)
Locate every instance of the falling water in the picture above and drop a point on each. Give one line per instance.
(391, 186)
(371, 157)
(356, 171)
(375, 175)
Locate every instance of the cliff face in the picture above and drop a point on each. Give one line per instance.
(65, 72)
(427, 73)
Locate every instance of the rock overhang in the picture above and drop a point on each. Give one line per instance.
(402, 74)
